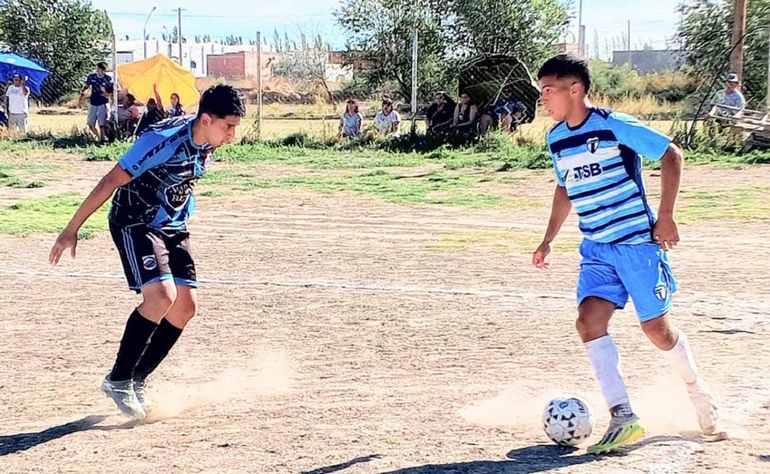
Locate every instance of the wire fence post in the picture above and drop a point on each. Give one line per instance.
(414, 81)
(259, 86)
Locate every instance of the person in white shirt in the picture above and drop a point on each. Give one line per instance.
(17, 103)
(387, 120)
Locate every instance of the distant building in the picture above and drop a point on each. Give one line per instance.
(240, 64)
(568, 48)
(650, 61)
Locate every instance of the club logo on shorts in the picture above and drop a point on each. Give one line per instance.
(149, 262)
(592, 144)
(661, 292)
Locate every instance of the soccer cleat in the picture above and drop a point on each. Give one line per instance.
(622, 431)
(140, 388)
(705, 407)
(122, 393)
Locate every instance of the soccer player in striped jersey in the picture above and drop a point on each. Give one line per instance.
(153, 200)
(597, 159)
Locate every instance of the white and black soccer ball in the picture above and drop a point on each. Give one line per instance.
(568, 420)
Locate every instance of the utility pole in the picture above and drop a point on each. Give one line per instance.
(179, 35)
(581, 34)
(628, 41)
(739, 31)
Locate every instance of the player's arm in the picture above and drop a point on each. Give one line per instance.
(671, 164)
(560, 209)
(24, 86)
(69, 236)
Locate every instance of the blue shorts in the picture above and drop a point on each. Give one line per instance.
(614, 272)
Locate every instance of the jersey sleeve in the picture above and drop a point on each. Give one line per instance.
(641, 138)
(559, 178)
(147, 152)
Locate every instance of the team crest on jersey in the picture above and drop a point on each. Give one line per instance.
(592, 144)
(661, 292)
(149, 262)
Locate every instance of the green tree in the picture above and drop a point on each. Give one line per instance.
(449, 32)
(380, 38)
(67, 37)
(705, 34)
(527, 29)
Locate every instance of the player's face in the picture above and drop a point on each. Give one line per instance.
(731, 86)
(556, 95)
(220, 130)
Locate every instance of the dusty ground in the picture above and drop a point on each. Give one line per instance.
(338, 333)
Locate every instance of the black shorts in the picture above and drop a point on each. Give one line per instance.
(150, 255)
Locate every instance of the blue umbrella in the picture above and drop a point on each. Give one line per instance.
(12, 63)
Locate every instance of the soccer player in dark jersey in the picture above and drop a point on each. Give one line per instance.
(148, 222)
(597, 159)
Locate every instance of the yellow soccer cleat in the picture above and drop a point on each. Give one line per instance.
(622, 431)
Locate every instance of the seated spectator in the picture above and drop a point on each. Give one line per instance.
(440, 114)
(465, 120)
(152, 115)
(3, 119)
(176, 109)
(128, 115)
(729, 101)
(350, 122)
(387, 120)
(505, 112)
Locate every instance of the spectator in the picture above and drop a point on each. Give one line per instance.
(176, 109)
(128, 115)
(17, 103)
(440, 113)
(99, 104)
(152, 115)
(729, 101)
(350, 123)
(387, 120)
(505, 112)
(465, 117)
(3, 119)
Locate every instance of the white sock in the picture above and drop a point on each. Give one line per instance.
(681, 358)
(605, 359)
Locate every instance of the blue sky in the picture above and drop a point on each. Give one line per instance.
(655, 22)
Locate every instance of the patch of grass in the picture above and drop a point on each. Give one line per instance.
(500, 241)
(20, 175)
(746, 204)
(433, 188)
(49, 215)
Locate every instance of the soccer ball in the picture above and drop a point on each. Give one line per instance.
(568, 420)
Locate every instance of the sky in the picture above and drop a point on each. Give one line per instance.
(654, 23)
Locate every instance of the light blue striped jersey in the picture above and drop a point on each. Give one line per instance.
(599, 164)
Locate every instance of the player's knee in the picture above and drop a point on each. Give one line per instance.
(160, 299)
(660, 333)
(585, 327)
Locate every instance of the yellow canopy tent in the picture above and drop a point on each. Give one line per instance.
(138, 78)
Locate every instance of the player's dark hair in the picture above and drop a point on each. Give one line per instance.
(567, 65)
(102, 65)
(220, 101)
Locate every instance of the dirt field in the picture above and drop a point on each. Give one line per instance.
(338, 333)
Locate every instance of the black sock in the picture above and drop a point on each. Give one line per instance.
(160, 344)
(138, 331)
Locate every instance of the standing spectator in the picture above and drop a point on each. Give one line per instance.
(387, 120)
(440, 114)
(350, 122)
(465, 122)
(99, 109)
(729, 101)
(17, 103)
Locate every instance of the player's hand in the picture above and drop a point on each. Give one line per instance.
(665, 232)
(538, 258)
(66, 240)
